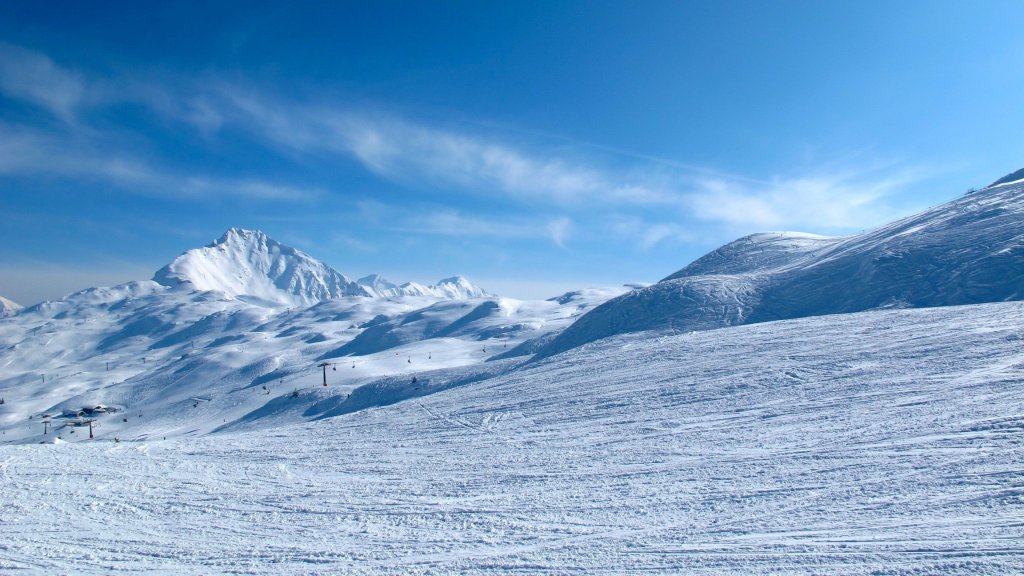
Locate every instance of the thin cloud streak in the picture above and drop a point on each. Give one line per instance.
(645, 234)
(410, 153)
(23, 152)
(559, 230)
(32, 77)
(836, 201)
(453, 224)
(403, 151)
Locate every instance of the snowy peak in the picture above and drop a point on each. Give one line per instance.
(458, 288)
(246, 264)
(8, 307)
(454, 288)
(377, 284)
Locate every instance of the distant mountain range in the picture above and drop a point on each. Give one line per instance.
(454, 288)
(246, 264)
(225, 334)
(243, 332)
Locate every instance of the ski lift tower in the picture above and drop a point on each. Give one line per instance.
(324, 365)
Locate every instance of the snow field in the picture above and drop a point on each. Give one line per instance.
(875, 443)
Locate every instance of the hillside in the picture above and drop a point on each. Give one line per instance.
(967, 251)
(222, 339)
(885, 442)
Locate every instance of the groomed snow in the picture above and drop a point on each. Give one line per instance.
(887, 442)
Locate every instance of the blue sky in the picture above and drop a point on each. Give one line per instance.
(534, 147)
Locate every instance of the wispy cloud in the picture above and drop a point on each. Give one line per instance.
(34, 78)
(80, 152)
(31, 152)
(411, 154)
(646, 233)
(433, 160)
(559, 229)
(452, 223)
(834, 199)
(244, 188)
(405, 152)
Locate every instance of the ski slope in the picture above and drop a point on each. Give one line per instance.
(883, 442)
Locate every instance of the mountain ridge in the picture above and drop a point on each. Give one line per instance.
(451, 288)
(249, 265)
(969, 250)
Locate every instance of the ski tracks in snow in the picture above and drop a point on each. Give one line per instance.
(890, 442)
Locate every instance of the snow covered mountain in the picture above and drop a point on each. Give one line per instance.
(455, 288)
(247, 312)
(244, 314)
(169, 351)
(967, 251)
(493, 322)
(247, 264)
(8, 307)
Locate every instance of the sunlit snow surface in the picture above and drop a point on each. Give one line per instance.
(969, 250)
(887, 442)
(179, 362)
